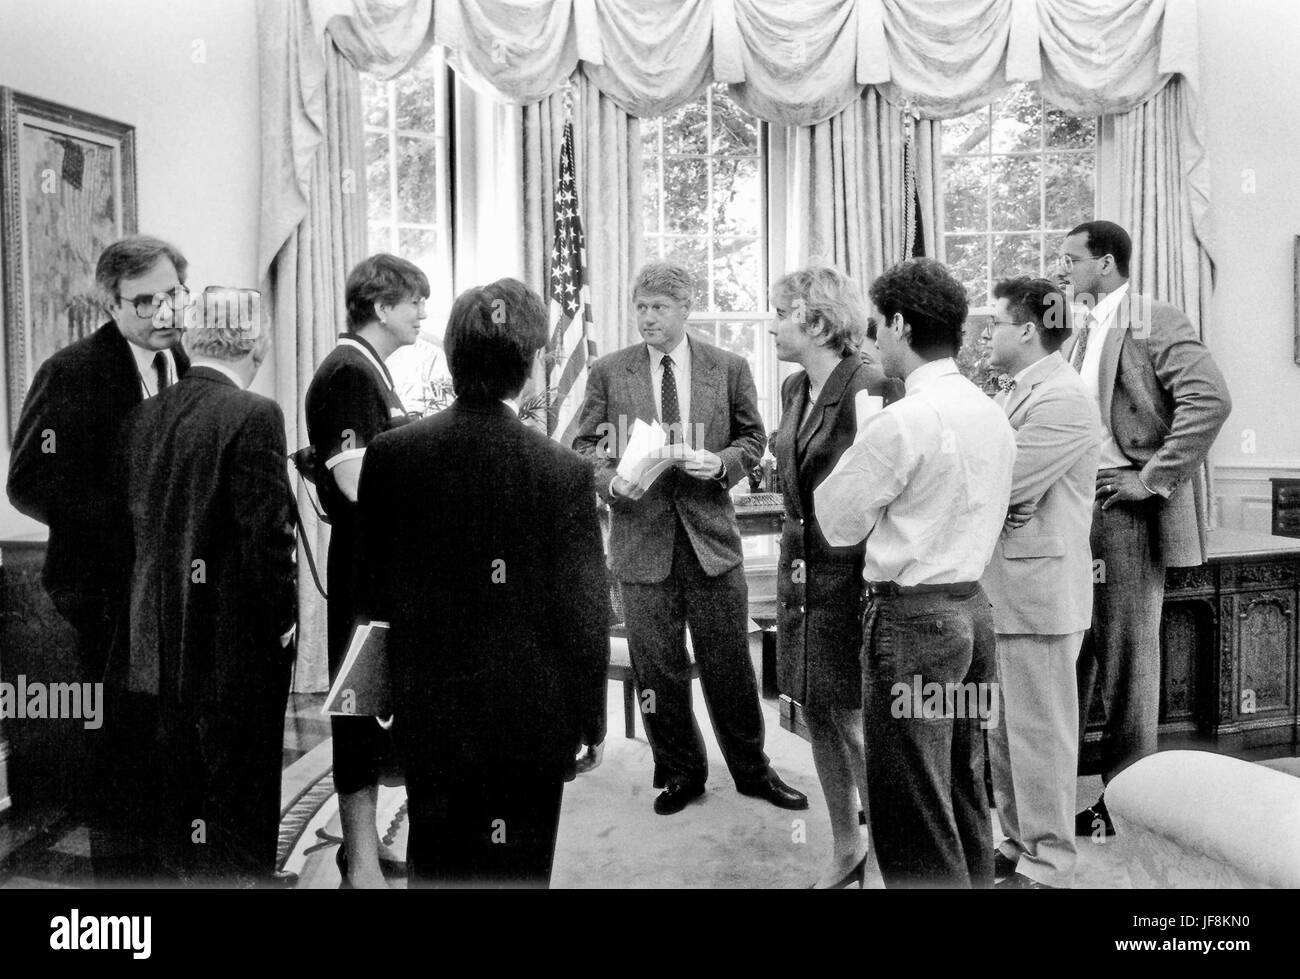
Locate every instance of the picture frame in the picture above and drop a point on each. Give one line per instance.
(67, 190)
(1295, 295)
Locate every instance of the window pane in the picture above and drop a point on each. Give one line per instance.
(379, 199)
(967, 134)
(1015, 192)
(1065, 130)
(1070, 181)
(374, 101)
(650, 197)
(417, 179)
(686, 130)
(736, 272)
(1016, 119)
(420, 245)
(417, 103)
(968, 262)
(739, 337)
(705, 330)
(734, 130)
(965, 203)
(686, 189)
(736, 187)
(1016, 255)
(692, 253)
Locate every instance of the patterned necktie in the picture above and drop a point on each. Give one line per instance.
(670, 412)
(160, 370)
(1081, 347)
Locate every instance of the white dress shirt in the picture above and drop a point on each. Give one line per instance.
(1103, 315)
(927, 482)
(681, 355)
(144, 365)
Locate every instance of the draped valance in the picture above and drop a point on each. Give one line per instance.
(791, 62)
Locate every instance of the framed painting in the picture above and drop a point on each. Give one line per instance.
(67, 190)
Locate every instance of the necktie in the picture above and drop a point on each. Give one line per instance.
(160, 370)
(1081, 347)
(670, 410)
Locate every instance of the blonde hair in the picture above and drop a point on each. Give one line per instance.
(826, 296)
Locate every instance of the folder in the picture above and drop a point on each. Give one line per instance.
(361, 687)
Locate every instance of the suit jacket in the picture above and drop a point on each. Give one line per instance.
(823, 610)
(1039, 579)
(1166, 401)
(481, 546)
(61, 471)
(213, 588)
(724, 420)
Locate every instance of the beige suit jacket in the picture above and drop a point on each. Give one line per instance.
(1040, 576)
(1166, 401)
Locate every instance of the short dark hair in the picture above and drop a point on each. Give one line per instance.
(932, 302)
(130, 258)
(492, 335)
(1107, 238)
(381, 278)
(1039, 302)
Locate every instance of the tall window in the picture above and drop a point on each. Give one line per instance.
(704, 207)
(408, 197)
(1018, 175)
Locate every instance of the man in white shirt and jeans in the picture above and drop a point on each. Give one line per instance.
(926, 484)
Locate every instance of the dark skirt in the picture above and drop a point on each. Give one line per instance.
(819, 634)
(363, 751)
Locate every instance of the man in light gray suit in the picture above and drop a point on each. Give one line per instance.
(675, 548)
(1040, 584)
(1162, 401)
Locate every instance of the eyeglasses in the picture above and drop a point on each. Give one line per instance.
(1067, 262)
(147, 305)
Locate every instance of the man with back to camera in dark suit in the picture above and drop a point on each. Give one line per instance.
(212, 606)
(61, 470)
(675, 548)
(481, 548)
(1162, 401)
(1040, 584)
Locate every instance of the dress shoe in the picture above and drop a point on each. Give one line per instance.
(858, 873)
(677, 797)
(771, 788)
(1019, 882)
(1003, 865)
(1084, 822)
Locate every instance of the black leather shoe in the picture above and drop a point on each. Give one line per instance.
(1085, 823)
(771, 788)
(1019, 882)
(1003, 865)
(677, 797)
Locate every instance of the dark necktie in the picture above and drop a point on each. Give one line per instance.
(671, 411)
(160, 370)
(1081, 347)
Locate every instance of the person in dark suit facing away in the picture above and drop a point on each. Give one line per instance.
(481, 548)
(61, 470)
(821, 320)
(675, 548)
(212, 607)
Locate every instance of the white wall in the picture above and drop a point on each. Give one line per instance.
(185, 75)
(1251, 92)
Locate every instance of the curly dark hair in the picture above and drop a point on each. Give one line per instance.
(931, 302)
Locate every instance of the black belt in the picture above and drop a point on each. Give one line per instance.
(962, 588)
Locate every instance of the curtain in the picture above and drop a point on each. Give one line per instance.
(607, 150)
(1166, 211)
(306, 282)
(850, 193)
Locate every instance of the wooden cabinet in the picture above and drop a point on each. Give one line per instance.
(1228, 658)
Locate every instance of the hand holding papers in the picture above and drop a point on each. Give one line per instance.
(648, 456)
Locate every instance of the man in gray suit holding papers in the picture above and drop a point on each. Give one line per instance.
(1040, 584)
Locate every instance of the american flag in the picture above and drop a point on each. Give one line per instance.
(571, 346)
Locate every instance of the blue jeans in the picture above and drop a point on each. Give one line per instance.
(925, 753)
